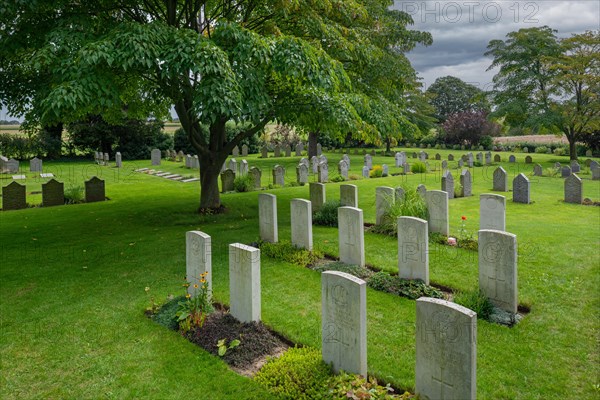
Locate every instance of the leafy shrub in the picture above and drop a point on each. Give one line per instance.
(74, 195)
(412, 289)
(418, 167)
(550, 172)
(476, 301)
(541, 149)
(353, 177)
(328, 214)
(166, 315)
(285, 251)
(300, 373)
(376, 172)
(182, 142)
(351, 386)
(559, 151)
(338, 178)
(243, 183)
(19, 147)
(413, 205)
(358, 271)
(487, 142)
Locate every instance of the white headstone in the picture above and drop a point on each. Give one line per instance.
(267, 217)
(323, 172)
(317, 195)
(437, 204)
(365, 172)
(343, 169)
(573, 189)
(344, 322)
(198, 260)
(413, 249)
(492, 212)
(351, 236)
(244, 282)
(35, 165)
(155, 156)
(279, 175)
(243, 167)
(118, 160)
(448, 184)
(301, 222)
(500, 180)
(498, 268)
(521, 189)
(348, 195)
(384, 199)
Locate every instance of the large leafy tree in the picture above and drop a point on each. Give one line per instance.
(214, 61)
(450, 95)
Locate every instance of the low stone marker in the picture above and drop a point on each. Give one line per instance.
(118, 160)
(444, 165)
(349, 195)
(450, 157)
(521, 189)
(299, 149)
(264, 152)
(279, 175)
(35, 165)
(314, 162)
(497, 158)
(512, 159)
(301, 223)
(399, 194)
(227, 179)
(255, 174)
(400, 159)
(243, 168)
(446, 351)
(95, 190)
(466, 183)
(351, 236)
(437, 204)
(344, 322)
(323, 171)
(198, 261)
(384, 199)
(448, 184)
(12, 165)
(492, 212)
(244, 282)
(288, 150)
(233, 165)
(365, 171)
(13, 196)
(421, 190)
(235, 152)
(500, 180)
(573, 189)
(53, 193)
(528, 160)
(565, 171)
(498, 268)
(267, 217)
(406, 168)
(302, 174)
(368, 161)
(575, 167)
(277, 151)
(244, 150)
(385, 170)
(343, 169)
(538, 170)
(317, 195)
(155, 157)
(413, 249)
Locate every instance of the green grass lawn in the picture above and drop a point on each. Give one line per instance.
(72, 282)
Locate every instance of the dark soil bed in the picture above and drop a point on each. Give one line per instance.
(257, 342)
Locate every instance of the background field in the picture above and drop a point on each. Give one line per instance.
(73, 277)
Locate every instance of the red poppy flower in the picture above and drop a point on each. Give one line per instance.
(463, 218)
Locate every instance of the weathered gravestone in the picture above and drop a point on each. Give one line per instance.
(446, 351)
(400, 159)
(255, 174)
(488, 158)
(12, 166)
(384, 200)
(573, 190)
(537, 170)
(180, 156)
(479, 157)
(244, 150)
(500, 180)
(437, 205)
(243, 168)
(35, 165)
(466, 183)
(365, 171)
(279, 175)
(348, 195)
(528, 160)
(346, 158)
(498, 268)
(94, 190)
(492, 212)
(233, 165)
(575, 167)
(421, 190)
(438, 156)
(588, 153)
(512, 159)
(118, 160)
(461, 163)
(155, 157)
(299, 149)
(521, 189)
(317, 195)
(343, 169)
(565, 171)
(319, 149)
(399, 194)
(267, 217)
(235, 152)
(314, 163)
(595, 168)
(277, 151)
(413, 249)
(351, 236)
(497, 158)
(323, 175)
(13, 196)
(227, 179)
(444, 165)
(368, 161)
(448, 184)
(244, 282)
(406, 168)
(264, 152)
(302, 174)
(53, 193)
(301, 223)
(344, 322)
(288, 150)
(385, 170)
(198, 261)
(3, 164)
(450, 157)
(525, 150)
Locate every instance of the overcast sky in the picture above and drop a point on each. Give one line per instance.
(461, 31)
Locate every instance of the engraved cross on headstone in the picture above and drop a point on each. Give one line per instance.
(442, 384)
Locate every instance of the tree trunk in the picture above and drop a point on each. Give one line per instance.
(209, 185)
(53, 138)
(571, 136)
(388, 144)
(312, 143)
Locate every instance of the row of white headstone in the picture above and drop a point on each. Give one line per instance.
(446, 334)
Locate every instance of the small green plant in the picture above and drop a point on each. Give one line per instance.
(243, 183)
(167, 313)
(418, 167)
(465, 238)
(338, 178)
(153, 307)
(359, 272)
(193, 310)
(458, 190)
(559, 151)
(353, 177)
(74, 195)
(351, 386)
(412, 289)
(476, 301)
(376, 172)
(223, 347)
(285, 251)
(550, 172)
(327, 215)
(412, 205)
(541, 149)
(300, 373)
